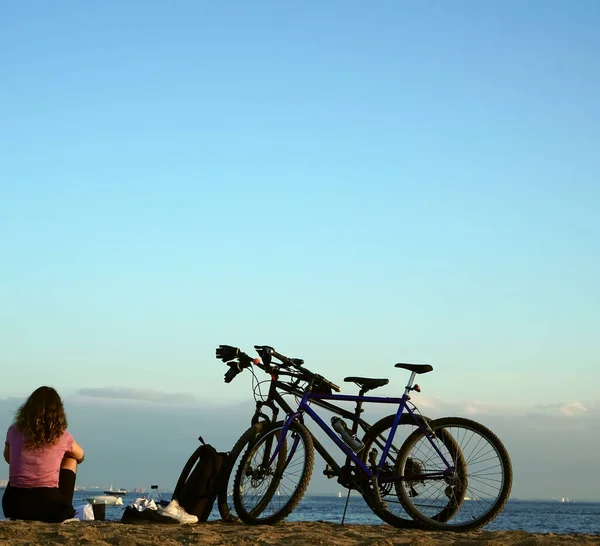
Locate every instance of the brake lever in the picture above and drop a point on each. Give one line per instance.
(266, 354)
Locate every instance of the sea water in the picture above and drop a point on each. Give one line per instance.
(530, 516)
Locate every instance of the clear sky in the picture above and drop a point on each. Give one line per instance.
(353, 183)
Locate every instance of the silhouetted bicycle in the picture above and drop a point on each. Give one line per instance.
(288, 380)
(450, 473)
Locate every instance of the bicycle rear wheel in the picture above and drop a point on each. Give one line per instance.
(482, 476)
(390, 480)
(265, 491)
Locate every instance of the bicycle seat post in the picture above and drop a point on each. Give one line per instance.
(409, 385)
(357, 411)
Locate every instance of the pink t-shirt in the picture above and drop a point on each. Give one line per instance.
(38, 467)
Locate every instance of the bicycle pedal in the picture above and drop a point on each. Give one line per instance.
(329, 472)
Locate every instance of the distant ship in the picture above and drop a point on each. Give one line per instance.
(115, 492)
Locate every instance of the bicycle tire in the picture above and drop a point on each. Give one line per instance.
(394, 512)
(483, 477)
(252, 473)
(226, 509)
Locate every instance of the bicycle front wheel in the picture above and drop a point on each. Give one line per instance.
(481, 475)
(265, 491)
(227, 475)
(390, 479)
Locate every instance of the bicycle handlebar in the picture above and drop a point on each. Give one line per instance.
(229, 354)
(266, 351)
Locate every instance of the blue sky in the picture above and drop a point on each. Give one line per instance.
(353, 184)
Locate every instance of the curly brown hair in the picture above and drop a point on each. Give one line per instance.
(42, 418)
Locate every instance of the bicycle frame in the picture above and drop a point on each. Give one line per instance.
(403, 406)
(275, 398)
(323, 400)
(401, 453)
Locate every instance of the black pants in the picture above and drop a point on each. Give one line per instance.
(49, 504)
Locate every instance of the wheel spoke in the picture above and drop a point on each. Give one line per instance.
(478, 480)
(267, 491)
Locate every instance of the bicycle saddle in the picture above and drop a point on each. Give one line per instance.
(417, 368)
(366, 383)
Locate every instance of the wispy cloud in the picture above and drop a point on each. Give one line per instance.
(469, 408)
(568, 409)
(140, 395)
(472, 408)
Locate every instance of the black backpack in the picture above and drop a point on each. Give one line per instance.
(198, 483)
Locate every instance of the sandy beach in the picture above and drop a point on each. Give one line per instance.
(296, 534)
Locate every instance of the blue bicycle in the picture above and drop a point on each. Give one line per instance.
(448, 474)
(288, 383)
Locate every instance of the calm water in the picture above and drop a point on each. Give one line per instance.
(531, 516)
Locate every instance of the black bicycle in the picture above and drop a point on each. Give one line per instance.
(290, 377)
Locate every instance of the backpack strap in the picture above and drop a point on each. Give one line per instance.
(191, 462)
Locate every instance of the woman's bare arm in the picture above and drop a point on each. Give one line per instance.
(77, 453)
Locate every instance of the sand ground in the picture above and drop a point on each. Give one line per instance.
(297, 534)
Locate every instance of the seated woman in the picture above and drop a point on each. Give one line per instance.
(43, 459)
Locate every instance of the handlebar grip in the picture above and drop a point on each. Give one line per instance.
(294, 362)
(335, 387)
(237, 366)
(231, 373)
(281, 357)
(328, 383)
(227, 352)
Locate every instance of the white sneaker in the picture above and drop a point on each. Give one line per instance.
(173, 510)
